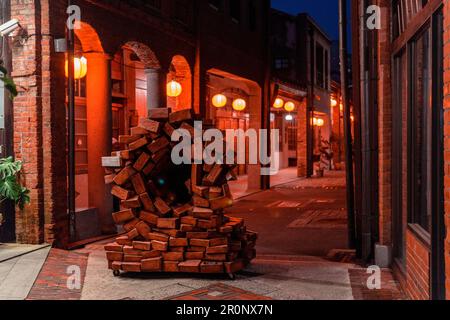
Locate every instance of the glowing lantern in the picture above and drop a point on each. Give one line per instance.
(79, 66)
(289, 106)
(239, 104)
(289, 117)
(279, 103)
(174, 89)
(333, 102)
(320, 122)
(219, 101)
(352, 118)
(314, 121)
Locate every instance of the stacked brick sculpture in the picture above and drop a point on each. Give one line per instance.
(173, 216)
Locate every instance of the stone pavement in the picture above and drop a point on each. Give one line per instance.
(19, 272)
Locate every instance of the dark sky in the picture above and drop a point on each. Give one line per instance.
(324, 12)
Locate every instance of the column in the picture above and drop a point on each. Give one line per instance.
(153, 88)
(99, 122)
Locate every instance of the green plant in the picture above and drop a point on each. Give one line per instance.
(10, 186)
(8, 81)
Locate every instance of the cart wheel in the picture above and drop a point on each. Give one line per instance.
(116, 273)
(232, 276)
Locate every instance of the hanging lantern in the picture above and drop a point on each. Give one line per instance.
(219, 101)
(289, 106)
(174, 89)
(314, 120)
(239, 104)
(320, 122)
(279, 103)
(79, 66)
(289, 117)
(333, 102)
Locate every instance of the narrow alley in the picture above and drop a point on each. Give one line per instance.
(306, 260)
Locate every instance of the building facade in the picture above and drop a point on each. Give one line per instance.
(401, 106)
(127, 72)
(301, 69)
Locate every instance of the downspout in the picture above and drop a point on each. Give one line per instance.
(347, 123)
(70, 37)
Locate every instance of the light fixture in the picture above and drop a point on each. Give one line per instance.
(352, 118)
(333, 102)
(239, 104)
(289, 117)
(320, 122)
(219, 101)
(79, 66)
(174, 89)
(289, 106)
(314, 120)
(279, 103)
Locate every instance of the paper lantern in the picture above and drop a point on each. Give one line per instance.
(289, 106)
(79, 66)
(219, 101)
(239, 104)
(279, 103)
(333, 102)
(320, 122)
(174, 89)
(289, 117)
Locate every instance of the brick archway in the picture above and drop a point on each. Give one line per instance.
(90, 41)
(145, 54)
(180, 71)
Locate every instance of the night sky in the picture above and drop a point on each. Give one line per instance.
(324, 12)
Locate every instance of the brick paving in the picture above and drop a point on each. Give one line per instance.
(390, 289)
(51, 283)
(219, 291)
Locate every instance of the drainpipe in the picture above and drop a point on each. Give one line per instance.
(70, 37)
(347, 123)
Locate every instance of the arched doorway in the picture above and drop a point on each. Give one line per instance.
(92, 137)
(180, 72)
(234, 87)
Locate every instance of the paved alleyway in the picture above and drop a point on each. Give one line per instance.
(304, 217)
(299, 224)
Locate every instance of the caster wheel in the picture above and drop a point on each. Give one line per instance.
(232, 276)
(116, 273)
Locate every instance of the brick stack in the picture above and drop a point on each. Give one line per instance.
(173, 216)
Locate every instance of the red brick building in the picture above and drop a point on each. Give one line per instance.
(132, 48)
(401, 77)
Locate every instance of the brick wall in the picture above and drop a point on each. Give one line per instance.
(417, 268)
(446, 12)
(385, 125)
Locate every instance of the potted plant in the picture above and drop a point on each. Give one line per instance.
(10, 186)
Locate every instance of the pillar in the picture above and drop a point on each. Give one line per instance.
(254, 109)
(99, 122)
(153, 88)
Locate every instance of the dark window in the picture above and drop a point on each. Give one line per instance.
(421, 112)
(216, 4)
(320, 68)
(235, 10)
(252, 16)
(281, 63)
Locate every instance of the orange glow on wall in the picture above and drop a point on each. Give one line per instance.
(320, 122)
(289, 106)
(174, 89)
(219, 101)
(80, 68)
(239, 104)
(279, 103)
